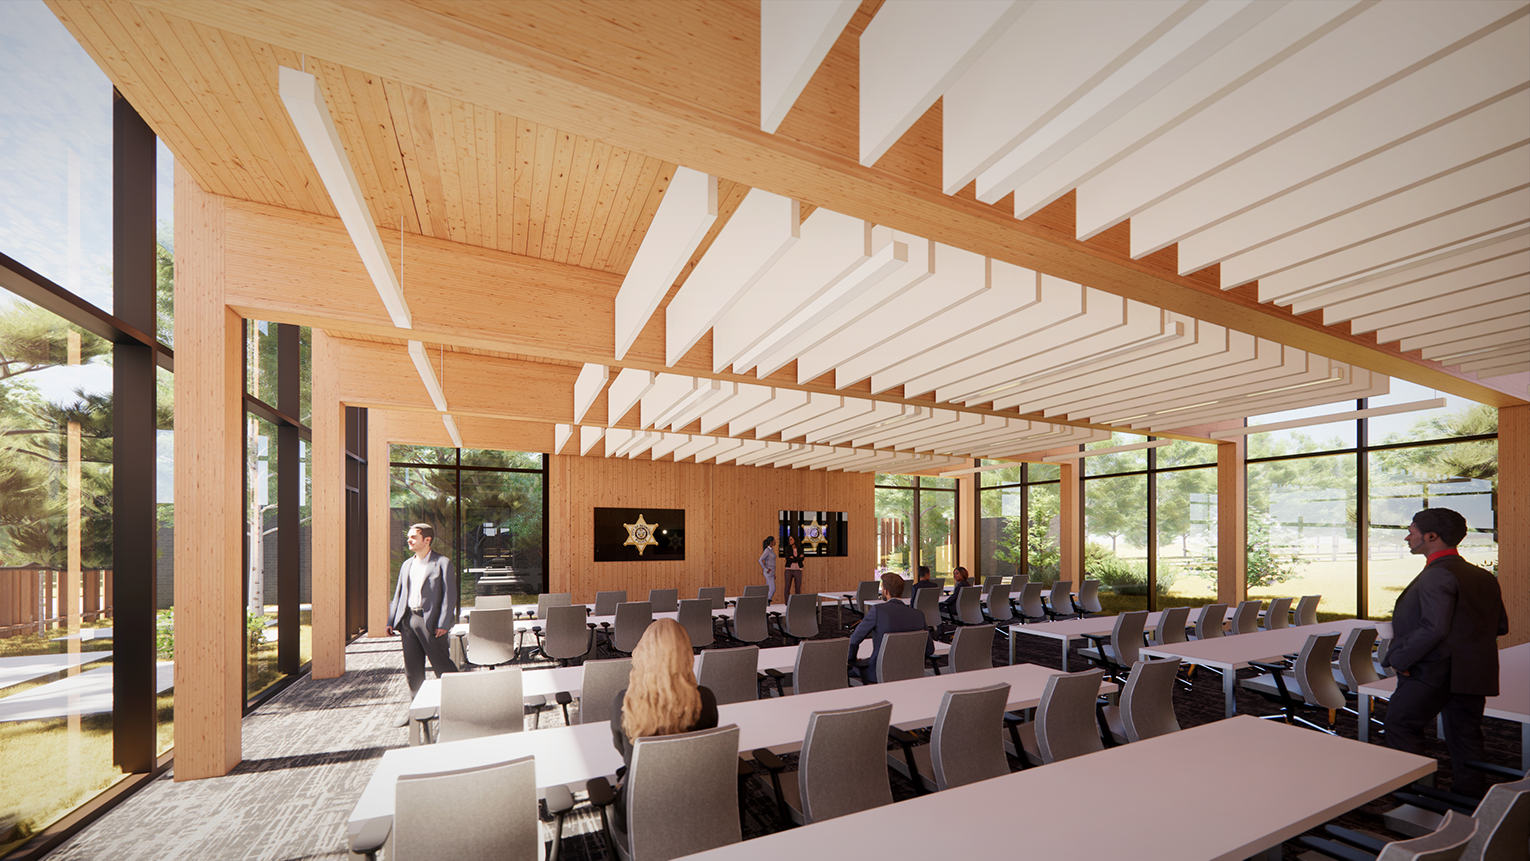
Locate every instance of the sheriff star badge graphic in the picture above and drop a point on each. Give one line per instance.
(640, 534)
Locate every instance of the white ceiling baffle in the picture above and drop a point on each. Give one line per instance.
(684, 216)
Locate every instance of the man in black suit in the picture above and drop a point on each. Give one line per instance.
(924, 582)
(889, 617)
(1445, 647)
(423, 610)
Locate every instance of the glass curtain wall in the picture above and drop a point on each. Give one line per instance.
(489, 510)
(916, 524)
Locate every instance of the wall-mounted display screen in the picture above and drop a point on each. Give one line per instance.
(639, 534)
(821, 533)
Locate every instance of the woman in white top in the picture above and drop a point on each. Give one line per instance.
(768, 567)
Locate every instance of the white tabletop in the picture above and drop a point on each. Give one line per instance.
(1320, 777)
(572, 755)
(1068, 630)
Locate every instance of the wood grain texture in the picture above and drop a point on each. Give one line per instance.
(1514, 520)
(1071, 522)
(728, 512)
(1232, 521)
(328, 464)
(379, 529)
(209, 443)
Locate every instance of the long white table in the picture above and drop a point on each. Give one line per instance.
(1512, 702)
(572, 755)
(1320, 777)
(1231, 653)
(1068, 630)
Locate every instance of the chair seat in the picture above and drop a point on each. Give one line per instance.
(1266, 683)
(1115, 723)
(1032, 749)
(922, 760)
(1092, 652)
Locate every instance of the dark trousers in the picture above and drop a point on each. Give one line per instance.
(419, 643)
(793, 575)
(1409, 713)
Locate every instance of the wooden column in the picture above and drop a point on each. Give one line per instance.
(1070, 538)
(380, 535)
(1232, 521)
(1513, 520)
(209, 444)
(967, 520)
(328, 568)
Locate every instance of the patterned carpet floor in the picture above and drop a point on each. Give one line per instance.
(310, 751)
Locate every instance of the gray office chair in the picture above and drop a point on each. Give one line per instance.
(552, 599)
(968, 608)
(605, 602)
(1278, 615)
(1245, 619)
(927, 601)
(1171, 626)
(471, 814)
(843, 768)
(820, 666)
(758, 590)
(664, 600)
(1383, 645)
(1117, 657)
(1503, 819)
(597, 691)
(866, 590)
(1457, 834)
(731, 674)
(1066, 724)
(1354, 668)
(749, 624)
(681, 795)
(479, 704)
(1209, 623)
(569, 637)
(493, 602)
(1306, 610)
(801, 619)
(1088, 603)
(1147, 703)
(632, 619)
(1060, 601)
(902, 656)
(715, 594)
(491, 639)
(971, 649)
(1312, 680)
(1032, 609)
(964, 747)
(1000, 611)
(696, 618)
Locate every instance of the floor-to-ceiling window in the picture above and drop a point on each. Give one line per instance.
(916, 523)
(489, 511)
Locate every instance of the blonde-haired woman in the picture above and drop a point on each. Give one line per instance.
(661, 697)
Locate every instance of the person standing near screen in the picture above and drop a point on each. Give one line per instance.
(423, 610)
(768, 567)
(794, 559)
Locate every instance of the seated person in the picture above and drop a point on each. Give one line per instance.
(924, 582)
(661, 697)
(889, 617)
(959, 578)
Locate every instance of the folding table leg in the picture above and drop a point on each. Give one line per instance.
(1229, 679)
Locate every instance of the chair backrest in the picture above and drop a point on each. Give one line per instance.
(902, 655)
(821, 666)
(632, 619)
(1061, 597)
(682, 794)
(568, 635)
(731, 674)
(758, 590)
(491, 636)
(1355, 658)
(664, 600)
(1384, 645)
(1126, 636)
(866, 590)
(1065, 723)
(940, 582)
(1446, 843)
(493, 602)
(1306, 610)
(552, 599)
(1147, 703)
(716, 594)
(479, 704)
(1503, 823)
(1245, 619)
(749, 619)
(1030, 601)
(967, 744)
(969, 605)
(473, 814)
(1209, 624)
(1089, 597)
(605, 602)
(1171, 626)
(1278, 615)
(1314, 671)
(927, 601)
(998, 604)
(802, 616)
(597, 692)
(843, 768)
(971, 649)
(696, 618)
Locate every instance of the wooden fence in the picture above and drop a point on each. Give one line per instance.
(30, 599)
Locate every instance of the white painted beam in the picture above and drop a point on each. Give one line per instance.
(589, 437)
(795, 36)
(587, 387)
(626, 390)
(684, 216)
(561, 435)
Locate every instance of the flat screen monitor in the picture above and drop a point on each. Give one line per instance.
(821, 533)
(639, 534)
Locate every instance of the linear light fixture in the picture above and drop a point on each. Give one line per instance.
(305, 106)
(1080, 455)
(1394, 409)
(427, 374)
(451, 429)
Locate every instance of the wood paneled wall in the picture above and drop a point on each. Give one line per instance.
(1514, 520)
(728, 511)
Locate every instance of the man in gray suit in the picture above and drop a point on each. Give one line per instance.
(423, 610)
(889, 617)
(1445, 632)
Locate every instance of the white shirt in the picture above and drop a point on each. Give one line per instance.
(416, 574)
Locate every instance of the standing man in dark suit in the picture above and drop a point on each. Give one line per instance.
(889, 617)
(1445, 632)
(423, 610)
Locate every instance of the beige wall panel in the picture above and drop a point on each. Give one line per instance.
(1514, 520)
(209, 645)
(328, 459)
(379, 530)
